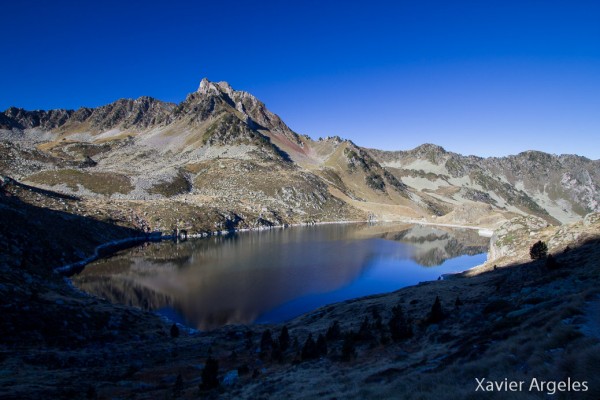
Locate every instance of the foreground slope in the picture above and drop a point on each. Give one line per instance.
(520, 320)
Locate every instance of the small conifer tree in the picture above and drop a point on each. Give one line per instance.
(309, 350)
(174, 331)
(248, 340)
(284, 338)
(399, 327)
(321, 346)
(334, 331)
(266, 341)
(178, 387)
(210, 374)
(436, 314)
(377, 321)
(539, 250)
(348, 348)
(458, 302)
(364, 333)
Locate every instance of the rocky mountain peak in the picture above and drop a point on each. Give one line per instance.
(429, 148)
(257, 116)
(224, 88)
(432, 152)
(207, 87)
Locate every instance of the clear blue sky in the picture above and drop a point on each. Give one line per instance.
(477, 77)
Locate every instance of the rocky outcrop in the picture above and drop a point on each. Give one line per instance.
(512, 241)
(508, 240)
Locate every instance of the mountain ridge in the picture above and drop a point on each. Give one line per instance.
(226, 145)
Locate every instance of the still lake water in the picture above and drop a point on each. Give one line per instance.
(275, 275)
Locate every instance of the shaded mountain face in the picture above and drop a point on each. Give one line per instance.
(224, 148)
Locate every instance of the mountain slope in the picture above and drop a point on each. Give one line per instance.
(224, 148)
(557, 188)
(215, 148)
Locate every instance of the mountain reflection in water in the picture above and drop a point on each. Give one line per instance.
(275, 275)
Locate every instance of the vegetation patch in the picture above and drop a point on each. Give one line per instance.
(358, 157)
(419, 173)
(555, 192)
(505, 240)
(105, 183)
(177, 185)
(478, 195)
(89, 149)
(539, 250)
(229, 130)
(435, 206)
(375, 182)
(454, 167)
(195, 168)
(394, 182)
(580, 210)
(333, 177)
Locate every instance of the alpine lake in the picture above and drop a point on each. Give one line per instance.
(275, 275)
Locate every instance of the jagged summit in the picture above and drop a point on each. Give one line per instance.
(216, 88)
(215, 98)
(430, 147)
(211, 100)
(239, 99)
(204, 83)
(207, 87)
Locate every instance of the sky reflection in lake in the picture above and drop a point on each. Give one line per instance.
(276, 275)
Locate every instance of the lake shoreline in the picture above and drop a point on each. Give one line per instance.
(111, 247)
(320, 265)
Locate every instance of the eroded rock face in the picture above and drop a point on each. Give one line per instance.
(511, 242)
(508, 240)
(591, 219)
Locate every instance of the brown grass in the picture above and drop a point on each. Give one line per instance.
(178, 185)
(104, 183)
